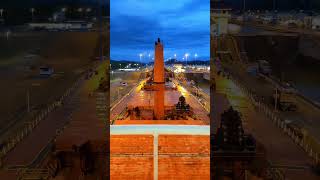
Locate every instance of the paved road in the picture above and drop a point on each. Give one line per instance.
(28, 149)
(118, 90)
(122, 104)
(281, 150)
(306, 116)
(197, 107)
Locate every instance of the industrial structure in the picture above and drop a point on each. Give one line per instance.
(235, 154)
(159, 130)
(270, 108)
(220, 17)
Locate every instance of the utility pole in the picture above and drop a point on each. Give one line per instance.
(100, 29)
(1, 12)
(276, 100)
(28, 101)
(32, 13)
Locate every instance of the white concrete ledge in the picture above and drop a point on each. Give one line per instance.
(159, 129)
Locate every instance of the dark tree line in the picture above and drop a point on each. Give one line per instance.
(279, 4)
(18, 12)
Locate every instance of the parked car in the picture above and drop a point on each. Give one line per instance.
(287, 106)
(264, 67)
(124, 84)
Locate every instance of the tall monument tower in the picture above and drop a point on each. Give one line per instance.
(158, 79)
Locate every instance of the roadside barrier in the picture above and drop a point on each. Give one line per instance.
(279, 122)
(275, 173)
(204, 101)
(31, 125)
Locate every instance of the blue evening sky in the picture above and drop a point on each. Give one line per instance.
(182, 25)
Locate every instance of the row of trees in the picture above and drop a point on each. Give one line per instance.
(278, 4)
(21, 15)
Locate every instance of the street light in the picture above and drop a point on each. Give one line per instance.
(1, 12)
(8, 34)
(186, 55)
(32, 10)
(195, 56)
(140, 55)
(28, 96)
(64, 9)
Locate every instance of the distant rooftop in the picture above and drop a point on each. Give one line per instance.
(219, 4)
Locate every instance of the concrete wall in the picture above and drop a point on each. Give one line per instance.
(310, 46)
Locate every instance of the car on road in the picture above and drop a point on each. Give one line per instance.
(264, 67)
(45, 71)
(124, 84)
(287, 106)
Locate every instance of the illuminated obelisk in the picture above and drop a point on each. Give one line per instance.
(158, 78)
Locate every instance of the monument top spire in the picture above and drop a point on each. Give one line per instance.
(158, 42)
(158, 63)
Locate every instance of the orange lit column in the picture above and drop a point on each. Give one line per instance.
(158, 78)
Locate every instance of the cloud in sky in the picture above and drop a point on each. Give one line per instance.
(182, 25)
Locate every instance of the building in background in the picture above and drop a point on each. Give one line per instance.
(220, 17)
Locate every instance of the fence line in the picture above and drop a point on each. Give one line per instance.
(278, 121)
(19, 136)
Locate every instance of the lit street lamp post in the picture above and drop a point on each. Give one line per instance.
(28, 96)
(186, 55)
(140, 55)
(88, 10)
(1, 12)
(119, 88)
(32, 10)
(80, 12)
(8, 34)
(28, 101)
(276, 100)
